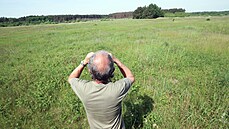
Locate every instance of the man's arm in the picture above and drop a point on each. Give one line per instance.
(78, 70)
(124, 70)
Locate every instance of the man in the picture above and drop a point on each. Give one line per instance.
(102, 98)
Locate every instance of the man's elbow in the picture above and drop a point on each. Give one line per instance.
(69, 79)
(132, 79)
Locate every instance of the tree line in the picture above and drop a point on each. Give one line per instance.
(146, 12)
(173, 10)
(51, 19)
(121, 15)
(211, 13)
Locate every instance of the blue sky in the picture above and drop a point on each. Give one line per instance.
(19, 8)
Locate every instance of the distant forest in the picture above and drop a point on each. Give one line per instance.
(55, 19)
(50, 19)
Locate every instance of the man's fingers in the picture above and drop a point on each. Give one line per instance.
(87, 58)
(90, 54)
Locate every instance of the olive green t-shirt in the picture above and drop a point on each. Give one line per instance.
(102, 102)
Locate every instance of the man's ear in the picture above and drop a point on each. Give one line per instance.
(89, 71)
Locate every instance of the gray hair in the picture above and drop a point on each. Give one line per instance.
(105, 75)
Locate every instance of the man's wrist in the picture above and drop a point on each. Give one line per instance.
(83, 63)
(117, 62)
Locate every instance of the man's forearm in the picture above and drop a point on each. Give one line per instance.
(76, 72)
(124, 70)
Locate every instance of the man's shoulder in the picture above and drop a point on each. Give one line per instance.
(78, 81)
(123, 80)
(121, 87)
(122, 83)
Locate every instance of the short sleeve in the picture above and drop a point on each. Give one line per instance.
(123, 86)
(78, 86)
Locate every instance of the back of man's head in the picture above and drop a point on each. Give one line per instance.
(101, 66)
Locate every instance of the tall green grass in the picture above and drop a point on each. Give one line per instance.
(181, 68)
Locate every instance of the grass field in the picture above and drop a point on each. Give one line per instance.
(181, 69)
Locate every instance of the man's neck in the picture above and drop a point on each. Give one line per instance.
(100, 82)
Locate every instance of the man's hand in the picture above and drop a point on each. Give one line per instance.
(87, 58)
(78, 70)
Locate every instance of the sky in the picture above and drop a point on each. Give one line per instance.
(20, 8)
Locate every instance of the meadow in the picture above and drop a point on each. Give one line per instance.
(181, 67)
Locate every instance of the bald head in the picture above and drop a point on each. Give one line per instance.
(101, 66)
(101, 61)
